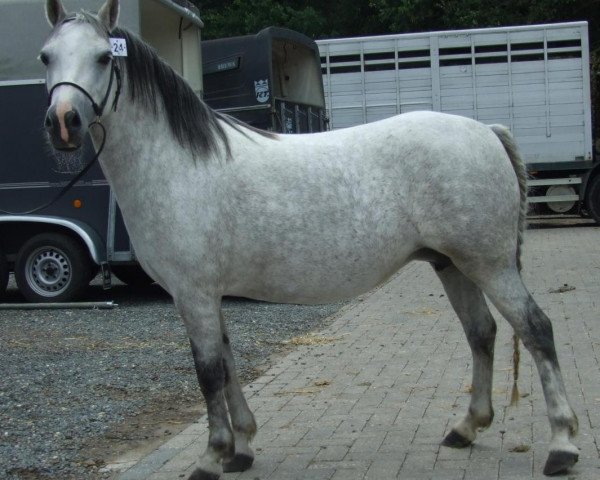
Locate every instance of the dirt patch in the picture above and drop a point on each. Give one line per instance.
(143, 432)
(139, 435)
(311, 339)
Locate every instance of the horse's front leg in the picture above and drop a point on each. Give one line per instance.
(242, 419)
(204, 330)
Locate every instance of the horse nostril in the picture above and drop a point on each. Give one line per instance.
(76, 122)
(73, 120)
(48, 121)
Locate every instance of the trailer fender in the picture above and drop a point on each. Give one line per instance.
(89, 237)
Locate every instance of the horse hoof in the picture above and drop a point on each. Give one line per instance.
(456, 440)
(560, 462)
(240, 463)
(200, 474)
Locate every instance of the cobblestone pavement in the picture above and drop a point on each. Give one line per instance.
(372, 396)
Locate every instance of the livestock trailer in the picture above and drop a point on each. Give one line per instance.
(55, 252)
(271, 80)
(535, 79)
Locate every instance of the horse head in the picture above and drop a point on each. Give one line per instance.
(80, 71)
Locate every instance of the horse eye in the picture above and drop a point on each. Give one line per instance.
(105, 59)
(44, 59)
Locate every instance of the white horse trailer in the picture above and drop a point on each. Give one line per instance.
(534, 79)
(54, 252)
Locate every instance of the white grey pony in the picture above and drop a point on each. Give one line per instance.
(216, 208)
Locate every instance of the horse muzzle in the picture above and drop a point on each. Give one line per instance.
(64, 127)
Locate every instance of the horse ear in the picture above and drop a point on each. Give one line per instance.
(55, 12)
(109, 14)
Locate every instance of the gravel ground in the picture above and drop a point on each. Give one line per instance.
(76, 384)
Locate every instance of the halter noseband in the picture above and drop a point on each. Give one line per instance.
(115, 72)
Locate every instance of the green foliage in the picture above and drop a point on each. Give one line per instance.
(347, 18)
(237, 17)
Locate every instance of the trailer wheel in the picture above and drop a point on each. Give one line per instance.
(593, 198)
(3, 274)
(52, 268)
(561, 207)
(132, 275)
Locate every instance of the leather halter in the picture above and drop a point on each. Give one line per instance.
(115, 72)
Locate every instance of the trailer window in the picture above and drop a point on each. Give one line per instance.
(296, 73)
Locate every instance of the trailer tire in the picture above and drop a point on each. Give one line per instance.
(52, 267)
(592, 203)
(3, 274)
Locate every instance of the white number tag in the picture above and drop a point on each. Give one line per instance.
(118, 47)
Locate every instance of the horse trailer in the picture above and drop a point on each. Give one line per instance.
(534, 79)
(55, 252)
(271, 80)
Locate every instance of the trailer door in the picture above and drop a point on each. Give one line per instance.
(175, 34)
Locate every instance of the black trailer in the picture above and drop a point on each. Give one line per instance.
(271, 80)
(55, 252)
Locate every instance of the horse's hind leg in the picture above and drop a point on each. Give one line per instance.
(508, 293)
(480, 328)
(242, 419)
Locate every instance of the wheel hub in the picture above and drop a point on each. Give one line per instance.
(48, 271)
(561, 207)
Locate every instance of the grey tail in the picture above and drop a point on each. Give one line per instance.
(504, 135)
(508, 141)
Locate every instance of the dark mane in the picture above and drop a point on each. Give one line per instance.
(150, 80)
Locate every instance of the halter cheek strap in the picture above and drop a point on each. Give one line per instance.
(98, 109)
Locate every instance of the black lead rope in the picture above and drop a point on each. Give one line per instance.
(72, 182)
